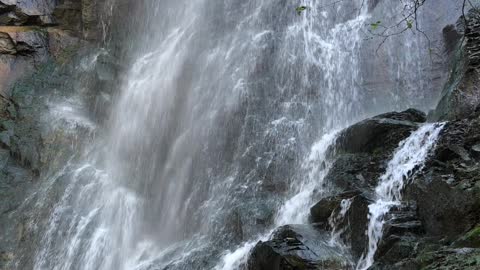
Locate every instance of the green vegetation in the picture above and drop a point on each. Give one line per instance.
(300, 9)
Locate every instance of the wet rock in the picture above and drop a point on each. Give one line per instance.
(233, 227)
(31, 42)
(6, 44)
(451, 37)
(396, 248)
(476, 150)
(90, 22)
(34, 7)
(380, 133)
(11, 67)
(401, 265)
(402, 233)
(362, 150)
(346, 214)
(81, 17)
(461, 94)
(470, 239)
(25, 41)
(361, 154)
(445, 210)
(15, 180)
(441, 202)
(356, 171)
(296, 247)
(444, 259)
(69, 16)
(25, 12)
(21, 49)
(62, 45)
(13, 18)
(34, 139)
(354, 225)
(321, 211)
(7, 4)
(402, 219)
(447, 191)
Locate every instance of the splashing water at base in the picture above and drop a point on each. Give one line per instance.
(296, 209)
(410, 156)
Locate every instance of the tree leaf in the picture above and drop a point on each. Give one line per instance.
(299, 9)
(375, 25)
(409, 24)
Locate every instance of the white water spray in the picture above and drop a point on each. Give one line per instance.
(327, 49)
(294, 210)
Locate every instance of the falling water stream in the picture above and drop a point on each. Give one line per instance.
(407, 159)
(213, 139)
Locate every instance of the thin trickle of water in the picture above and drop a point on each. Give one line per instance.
(407, 159)
(335, 219)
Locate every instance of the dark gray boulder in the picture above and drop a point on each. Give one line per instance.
(350, 222)
(402, 233)
(296, 247)
(379, 133)
(321, 211)
(362, 150)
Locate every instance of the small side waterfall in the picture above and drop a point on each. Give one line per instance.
(407, 159)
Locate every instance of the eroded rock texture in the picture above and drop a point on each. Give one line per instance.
(39, 59)
(460, 96)
(31, 31)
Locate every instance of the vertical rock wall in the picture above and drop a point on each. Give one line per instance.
(461, 94)
(38, 41)
(33, 30)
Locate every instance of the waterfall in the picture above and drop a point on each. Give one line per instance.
(213, 135)
(294, 210)
(407, 159)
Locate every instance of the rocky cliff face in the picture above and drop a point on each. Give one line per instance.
(460, 94)
(31, 31)
(49, 51)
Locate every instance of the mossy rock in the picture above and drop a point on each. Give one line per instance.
(461, 259)
(470, 239)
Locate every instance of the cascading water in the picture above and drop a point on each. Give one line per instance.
(211, 140)
(294, 210)
(407, 159)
